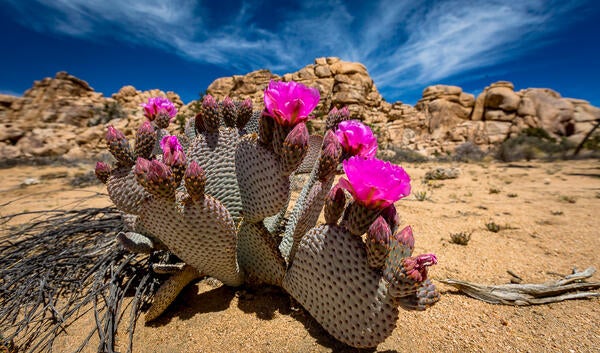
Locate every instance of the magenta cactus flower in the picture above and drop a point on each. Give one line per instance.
(158, 105)
(172, 151)
(170, 143)
(374, 183)
(290, 103)
(356, 139)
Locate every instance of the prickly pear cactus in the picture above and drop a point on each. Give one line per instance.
(216, 198)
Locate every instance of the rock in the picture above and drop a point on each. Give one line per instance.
(552, 110)
(479, 107)
(438, 91)
(526, 107)
(30, 181)
(6, 101)
(64, 116)
(499, 115)
(497, 131)
(322, 71)
(505, 84)
(502, 98)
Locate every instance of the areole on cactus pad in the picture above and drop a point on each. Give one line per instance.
(218, 196)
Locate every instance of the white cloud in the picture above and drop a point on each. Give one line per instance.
(403, 43)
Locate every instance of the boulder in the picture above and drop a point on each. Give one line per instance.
(502, 98)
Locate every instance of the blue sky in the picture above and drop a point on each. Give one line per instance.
(183, 45)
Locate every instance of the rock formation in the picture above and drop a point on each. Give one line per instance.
(63, 116)
(442, 119)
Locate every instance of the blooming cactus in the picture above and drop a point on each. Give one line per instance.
(159, 105)
(356, 139)
(211, 201)
(374, 183)
(290, 103)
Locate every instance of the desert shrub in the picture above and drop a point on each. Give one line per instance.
(468, 151)
(532, 144)
(421, 195)
(460, 238)
(492, 226)
(400, 155)
(593, 143)
(111, 110)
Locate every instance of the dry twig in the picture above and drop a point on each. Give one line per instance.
(569, 287)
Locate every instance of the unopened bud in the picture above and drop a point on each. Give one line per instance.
(102, 171)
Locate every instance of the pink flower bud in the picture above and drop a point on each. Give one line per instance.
(142, 166)
(379, 231)
(391, 216)
(194, 171)
(228, 103)
(146, 128)
(102, 171)
(209, 102)
(113, 134)
(158, 172)
(298, 136)
(406, 237)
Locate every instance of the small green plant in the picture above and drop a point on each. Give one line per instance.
(494, 191)
(460, 238)
(492, 227)
(421, 195)
(567, 198)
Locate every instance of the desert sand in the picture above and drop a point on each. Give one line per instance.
(549, 216)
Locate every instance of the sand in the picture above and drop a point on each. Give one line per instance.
(549, 216)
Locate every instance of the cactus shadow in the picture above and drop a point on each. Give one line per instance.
(265, 301)
(190, 302)
(324, 338)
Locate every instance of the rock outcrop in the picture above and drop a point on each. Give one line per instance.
(442, 119)
(64, 116)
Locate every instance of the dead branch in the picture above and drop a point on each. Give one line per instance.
(569, 287)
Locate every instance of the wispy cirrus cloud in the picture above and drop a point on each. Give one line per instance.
(403, 43)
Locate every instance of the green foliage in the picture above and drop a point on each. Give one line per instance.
(467, 152)
(401, 155)
(593, 143)
(111, 110)
(460, 238)
(421, 195)
(492, 226)
(538, 132)
(532, 143)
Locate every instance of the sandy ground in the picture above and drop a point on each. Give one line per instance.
(549, 214)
